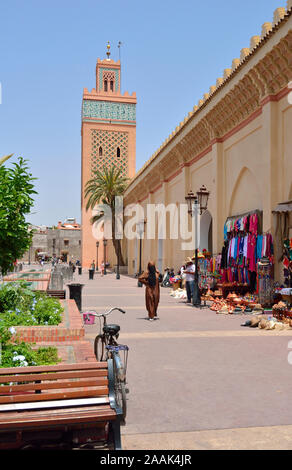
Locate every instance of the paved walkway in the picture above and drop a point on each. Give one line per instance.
(196, 379)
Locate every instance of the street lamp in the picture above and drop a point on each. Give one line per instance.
(194, 202)
(118, 262)
(140, 230)
(191, 199)
(29, 259)
(104, 254)
(203, 197)
(97, 245)
(29, 252)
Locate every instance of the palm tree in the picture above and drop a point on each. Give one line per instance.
(3, 159)
(103, 187)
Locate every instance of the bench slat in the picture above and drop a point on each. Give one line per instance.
(88, 406)
(34, 420)
(57, 368)
(90, 392)
(50, 404)
(54, 375)
(53, 385)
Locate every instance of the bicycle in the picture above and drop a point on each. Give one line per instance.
(106, 347)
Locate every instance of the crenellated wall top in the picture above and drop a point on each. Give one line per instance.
(109, 96)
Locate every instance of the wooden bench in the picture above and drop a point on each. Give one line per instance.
(63, 406)
(58, 294)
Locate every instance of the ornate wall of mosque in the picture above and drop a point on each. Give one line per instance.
(237, 142)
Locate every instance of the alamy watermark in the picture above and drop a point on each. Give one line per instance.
(158, 222)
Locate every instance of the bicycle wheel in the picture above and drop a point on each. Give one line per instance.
(120, 390)
(121, 398)
(99, 348)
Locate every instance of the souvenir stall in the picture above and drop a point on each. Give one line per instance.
(210, 270)
(287, 262)
(246, 266)
(283, 241)
(207, 274)
(265, 282)
(176, 282)
(244, 246)
(285, 292)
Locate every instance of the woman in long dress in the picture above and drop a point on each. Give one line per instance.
(150, 279)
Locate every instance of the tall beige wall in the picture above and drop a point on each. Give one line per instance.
(251, 169)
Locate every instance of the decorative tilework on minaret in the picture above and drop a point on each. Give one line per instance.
(108, 135)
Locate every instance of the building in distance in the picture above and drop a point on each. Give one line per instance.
(61, 241)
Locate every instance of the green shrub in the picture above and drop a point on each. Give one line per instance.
(23, 355)
(21, 306)
(20, 354)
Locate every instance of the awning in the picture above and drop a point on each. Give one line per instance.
(284, 207)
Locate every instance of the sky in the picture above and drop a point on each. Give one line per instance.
(172, 52)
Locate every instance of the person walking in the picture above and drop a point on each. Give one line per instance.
(183, 276)
(190, 279)
(150, 279)
(102, 268)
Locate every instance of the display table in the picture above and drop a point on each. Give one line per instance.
(239, 289)
(286, 294)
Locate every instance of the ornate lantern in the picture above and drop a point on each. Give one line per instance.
(203, 197)
(190, 199)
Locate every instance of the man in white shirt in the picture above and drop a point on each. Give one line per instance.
(190, 279)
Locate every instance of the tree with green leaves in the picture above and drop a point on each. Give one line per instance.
(16, 191)
(102, 188)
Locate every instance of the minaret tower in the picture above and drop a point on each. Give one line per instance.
(108, 136)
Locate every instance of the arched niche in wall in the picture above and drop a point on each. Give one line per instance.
(246, 195)
(206, 231)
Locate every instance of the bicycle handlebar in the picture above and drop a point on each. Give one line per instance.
(106, 313)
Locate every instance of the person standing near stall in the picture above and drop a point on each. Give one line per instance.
(190, 279)
(150, 279)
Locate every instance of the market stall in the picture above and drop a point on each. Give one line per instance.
(244, 246)
(283, 240)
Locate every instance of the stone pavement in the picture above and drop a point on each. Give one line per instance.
(196, 379)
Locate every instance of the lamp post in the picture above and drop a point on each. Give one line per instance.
(118, 264)
(140, 230)
(97, 245)
(104, 254)
(196, 203)
(29, 251)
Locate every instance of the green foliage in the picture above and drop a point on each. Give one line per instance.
(23, 355)
(16, 190)
(21, 306)
(47, 355)
(104, 186)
